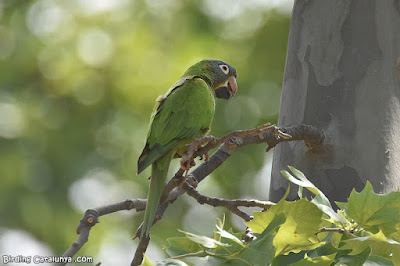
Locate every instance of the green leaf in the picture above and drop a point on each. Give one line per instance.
(288, 258)
(324, 250)
(261, 250)
(203, 240)
(298, 231)
(320, 200)
(374, 212)
(378, 261)
(358, 259)
(261, 220)
(379, 244)
(228, 235)
(342, 205)
(146, 261)
(301, 180)
(220, 224)
(181, 245)
(320, 261)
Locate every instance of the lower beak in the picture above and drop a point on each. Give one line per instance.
(232, 85)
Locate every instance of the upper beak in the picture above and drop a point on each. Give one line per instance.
(232, 85)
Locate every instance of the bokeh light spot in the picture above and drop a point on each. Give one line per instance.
(166, 7)
(95, 47)
(17, 242)
(222, 9)
(11, 120)
(44, 17)
(229, 9)
(92, 189)
(91, 7)
(100, 187)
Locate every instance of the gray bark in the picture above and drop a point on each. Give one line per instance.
(342, 76)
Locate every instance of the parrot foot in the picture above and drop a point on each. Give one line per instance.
(205, 156)
(186, 168)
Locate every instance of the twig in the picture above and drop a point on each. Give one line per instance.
(336, 230)
(91, 218)
(231, 205)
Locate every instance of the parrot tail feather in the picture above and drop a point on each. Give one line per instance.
(159, 171)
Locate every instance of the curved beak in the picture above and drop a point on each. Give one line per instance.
(232, 86)
(228, 89)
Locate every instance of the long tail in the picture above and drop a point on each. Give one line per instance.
(159, 171)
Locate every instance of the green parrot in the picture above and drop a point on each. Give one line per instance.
(180, 116)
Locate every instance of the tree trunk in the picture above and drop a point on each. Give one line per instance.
(342, 76)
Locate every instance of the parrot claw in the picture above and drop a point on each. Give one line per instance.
(190, 179)
(184, 179)
(184, 167)
(205, 156)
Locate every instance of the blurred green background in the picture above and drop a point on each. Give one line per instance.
(78, 81)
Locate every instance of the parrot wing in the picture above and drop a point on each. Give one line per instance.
(185, 113)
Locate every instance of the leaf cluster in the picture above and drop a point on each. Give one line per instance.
(363, 231)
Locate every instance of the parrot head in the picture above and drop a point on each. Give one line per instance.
(218, 74)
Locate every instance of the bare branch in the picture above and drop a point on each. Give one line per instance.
(231, 205)
(91, 218)
(140, 251)
(336, 230)
(195, 148)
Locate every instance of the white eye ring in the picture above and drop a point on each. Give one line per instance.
(224, 68)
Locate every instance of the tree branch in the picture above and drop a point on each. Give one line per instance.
(231, 205)
(229, 143)
(91, 218)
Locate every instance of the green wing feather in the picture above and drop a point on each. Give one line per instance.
(185, 113)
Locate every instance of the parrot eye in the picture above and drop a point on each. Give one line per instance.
(224, 68)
